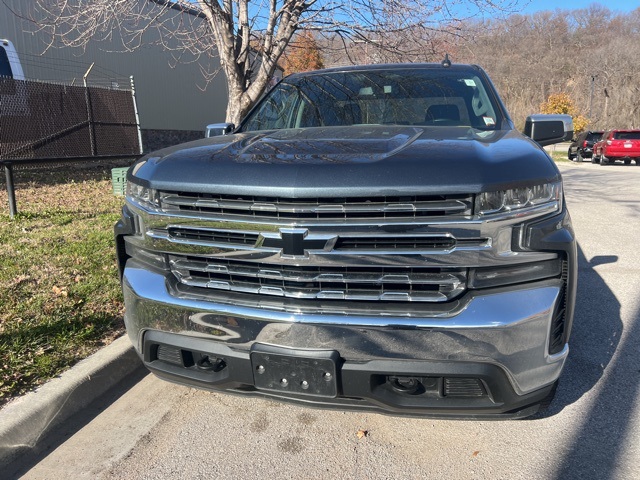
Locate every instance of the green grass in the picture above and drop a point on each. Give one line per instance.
(60, 296)
(559, 156)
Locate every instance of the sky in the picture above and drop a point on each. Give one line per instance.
(613, 5)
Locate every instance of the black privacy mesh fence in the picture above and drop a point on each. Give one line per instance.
(44, 121)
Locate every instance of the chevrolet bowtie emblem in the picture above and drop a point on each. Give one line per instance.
(295, 241)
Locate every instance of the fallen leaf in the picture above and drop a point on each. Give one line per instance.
(475, 454)
(362, 433)
(60, 292)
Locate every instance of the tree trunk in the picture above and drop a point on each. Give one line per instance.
(237, 107)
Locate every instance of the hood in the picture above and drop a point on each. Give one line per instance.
(350, 161)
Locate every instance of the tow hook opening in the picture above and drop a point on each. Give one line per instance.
(406, 385)
(210, 364)
(186, 358)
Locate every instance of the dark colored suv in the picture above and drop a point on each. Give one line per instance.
(582, 146)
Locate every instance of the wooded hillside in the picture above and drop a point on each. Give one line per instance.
(590, 54)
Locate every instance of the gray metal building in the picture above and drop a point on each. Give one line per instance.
(173, 103)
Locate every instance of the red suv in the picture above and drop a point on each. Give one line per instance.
(618, 145)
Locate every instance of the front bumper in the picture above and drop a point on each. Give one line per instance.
(587, 152)
(496, 341)
(620, 153)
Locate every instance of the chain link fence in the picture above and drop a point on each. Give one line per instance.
(47, 121)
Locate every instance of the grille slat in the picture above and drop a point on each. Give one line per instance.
(213, 236)
(340, 283)
(317, 208)
(232, 238)
(395, 243)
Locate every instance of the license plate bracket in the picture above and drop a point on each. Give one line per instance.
(299, 372)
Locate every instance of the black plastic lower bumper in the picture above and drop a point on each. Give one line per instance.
(321, 378)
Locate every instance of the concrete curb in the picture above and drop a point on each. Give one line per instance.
(27, 420)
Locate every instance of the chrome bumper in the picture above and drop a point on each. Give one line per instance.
(506, 328)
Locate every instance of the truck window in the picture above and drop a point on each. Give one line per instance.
(5, 66)
(427, 97)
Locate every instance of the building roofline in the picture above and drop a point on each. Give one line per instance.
(180, 7)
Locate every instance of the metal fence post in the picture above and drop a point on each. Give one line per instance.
(135, 110)
(92, 134)
(11, 192)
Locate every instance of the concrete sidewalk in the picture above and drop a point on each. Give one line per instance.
(27, 421)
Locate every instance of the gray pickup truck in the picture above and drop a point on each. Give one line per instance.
(374, 238)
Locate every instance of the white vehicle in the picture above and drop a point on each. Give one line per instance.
(9, 61)
(13, 95)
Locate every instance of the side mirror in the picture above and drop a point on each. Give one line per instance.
(216, 129)
(549, 129)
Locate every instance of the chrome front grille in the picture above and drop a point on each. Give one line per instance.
(358, 208)
(330, 283)
(381, 249)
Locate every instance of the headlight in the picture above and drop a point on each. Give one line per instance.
(141, 195)
(518, 199)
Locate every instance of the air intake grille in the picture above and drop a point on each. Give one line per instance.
(557, 338)
(169, 354)
(463, 387)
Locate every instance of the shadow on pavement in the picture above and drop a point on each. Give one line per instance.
(611, 383)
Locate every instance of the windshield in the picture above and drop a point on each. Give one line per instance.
(429, 97)
(594, 136)
(633, 135)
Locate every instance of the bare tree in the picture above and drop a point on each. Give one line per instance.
(250, 37)
(589, 54)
